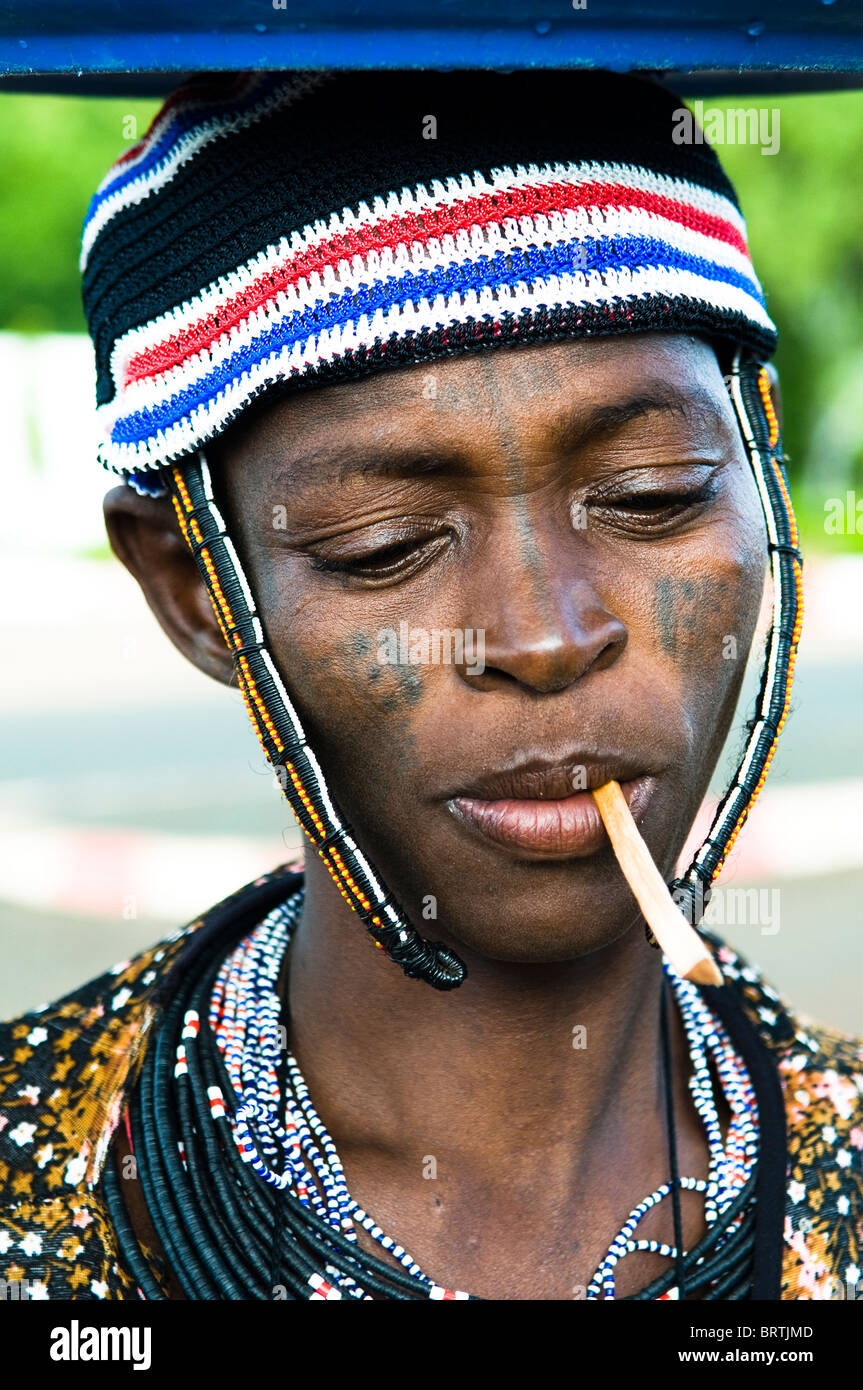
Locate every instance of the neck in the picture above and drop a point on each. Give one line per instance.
(568, 1050)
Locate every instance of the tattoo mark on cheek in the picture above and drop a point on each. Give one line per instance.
(665, 614)
(409, 692)
(398, 735)
(399, 684)
(392, 690)
(686, 609)
(410, 684)
(397, 704)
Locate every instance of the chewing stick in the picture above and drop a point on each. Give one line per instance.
(680, 942)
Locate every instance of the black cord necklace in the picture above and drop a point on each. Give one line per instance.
(226, 1235)
(668, 1080)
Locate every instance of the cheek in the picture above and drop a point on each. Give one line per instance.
(359, 702)
(366, 717)
(704, 608)
(705, 620)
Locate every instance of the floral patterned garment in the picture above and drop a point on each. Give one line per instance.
(66, 1069)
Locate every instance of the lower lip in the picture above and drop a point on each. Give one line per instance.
(568, 829)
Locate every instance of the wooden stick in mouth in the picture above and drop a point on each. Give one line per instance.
(680, 941)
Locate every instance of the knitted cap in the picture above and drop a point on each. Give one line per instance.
(277, 229)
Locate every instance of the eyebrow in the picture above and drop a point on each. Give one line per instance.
(342, 462)
(699, 409)
(339, 463)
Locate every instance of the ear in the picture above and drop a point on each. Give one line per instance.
(775, 392)
(145, 535)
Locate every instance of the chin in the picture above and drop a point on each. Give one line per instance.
(538, 923)
(498, 906)
(520, 947)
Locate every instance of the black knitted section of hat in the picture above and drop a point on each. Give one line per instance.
(357, 137)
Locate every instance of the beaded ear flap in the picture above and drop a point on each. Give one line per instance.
(280, 732)
(749, 389)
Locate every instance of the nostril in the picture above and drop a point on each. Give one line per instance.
(490, 678)
(551, 664)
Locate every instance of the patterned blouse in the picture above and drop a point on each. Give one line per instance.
(66, 1070)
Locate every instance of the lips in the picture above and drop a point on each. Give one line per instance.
(534, 813)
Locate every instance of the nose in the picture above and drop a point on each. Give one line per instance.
(546, 623)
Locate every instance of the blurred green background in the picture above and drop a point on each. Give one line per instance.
(53, 153)
(802, 205)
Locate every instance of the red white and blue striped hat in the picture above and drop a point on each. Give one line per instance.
(276, 229)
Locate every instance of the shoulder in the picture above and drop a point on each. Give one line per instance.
(59, 1067)
(64, 1073)
(801, 1046)
(821, 1075)
(63, 1070)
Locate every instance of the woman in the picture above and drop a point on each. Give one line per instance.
(508, 544)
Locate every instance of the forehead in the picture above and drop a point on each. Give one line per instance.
(575, 389)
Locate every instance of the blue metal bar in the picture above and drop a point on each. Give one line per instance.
(741, 38)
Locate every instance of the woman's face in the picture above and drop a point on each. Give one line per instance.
(581, 517)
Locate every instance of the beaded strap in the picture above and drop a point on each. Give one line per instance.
(280, 733)
(749, 389)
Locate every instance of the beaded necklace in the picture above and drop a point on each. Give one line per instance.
(301, 1156)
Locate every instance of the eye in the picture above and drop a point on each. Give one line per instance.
(402, 558)
(662, 501)
(654, 508)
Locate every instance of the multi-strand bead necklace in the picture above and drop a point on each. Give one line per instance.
(732, 1160)
(244, 1017)
(249, 1197)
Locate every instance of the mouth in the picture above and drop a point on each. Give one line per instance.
(548, 813)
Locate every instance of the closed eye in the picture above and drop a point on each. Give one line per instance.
(656, 501)
(398, 560)
(652, 510)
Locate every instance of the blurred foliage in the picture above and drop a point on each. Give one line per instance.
(54, 151)
(804, 212)
(803, 207)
